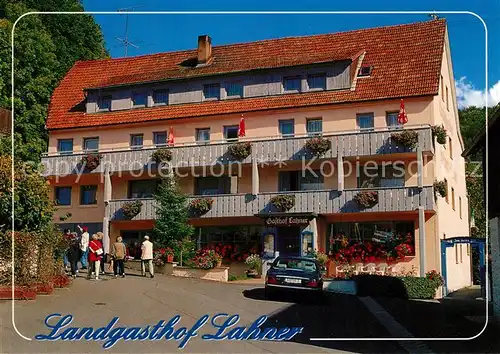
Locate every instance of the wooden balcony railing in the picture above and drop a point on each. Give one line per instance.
(320, 202)
(264, 151)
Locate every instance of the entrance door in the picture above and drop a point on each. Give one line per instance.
(289, 241)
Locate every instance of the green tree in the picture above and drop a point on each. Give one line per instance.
(45, 47)
(33, 208)
(172, 214)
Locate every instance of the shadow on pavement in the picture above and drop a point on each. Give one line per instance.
(340, 316)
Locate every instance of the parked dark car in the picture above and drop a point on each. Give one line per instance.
(294, 274)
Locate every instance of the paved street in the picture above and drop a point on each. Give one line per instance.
(141, 301)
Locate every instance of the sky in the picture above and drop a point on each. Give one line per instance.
(161, 33)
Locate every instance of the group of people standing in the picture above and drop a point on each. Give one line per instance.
(89, 252)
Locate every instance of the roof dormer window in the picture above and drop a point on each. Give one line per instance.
(139, 99)
(365, 71)
(104, 103)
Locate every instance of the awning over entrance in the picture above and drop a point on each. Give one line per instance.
(286, 219)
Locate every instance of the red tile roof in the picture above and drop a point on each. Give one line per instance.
(406, 60)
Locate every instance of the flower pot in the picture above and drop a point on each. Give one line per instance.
(170, 258)
(219, 263)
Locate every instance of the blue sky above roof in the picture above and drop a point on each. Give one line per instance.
(161, 33)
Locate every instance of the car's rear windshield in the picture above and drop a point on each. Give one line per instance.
(295, 264)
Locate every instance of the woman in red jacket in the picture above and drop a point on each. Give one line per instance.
(95, 256)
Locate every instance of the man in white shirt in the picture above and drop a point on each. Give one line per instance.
(84, 245)
(147, 257)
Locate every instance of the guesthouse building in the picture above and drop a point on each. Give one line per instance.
(300, 144)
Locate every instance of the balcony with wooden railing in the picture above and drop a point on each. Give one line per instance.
(320, 202)
(264, 150)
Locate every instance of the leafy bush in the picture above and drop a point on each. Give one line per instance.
(407, 138)
(131, 209)
(37, 256)
(240, 151)
(319, 145)
(407, 287)
(253, 261)
(439, 132)
(366, 199)
(91, 161)
(419, 288)
(283, 202)
(201, 206)
(161, 155)
(441, 188)
(32, 203)
(322, 258)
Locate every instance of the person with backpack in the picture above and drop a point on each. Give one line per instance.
(74, 254)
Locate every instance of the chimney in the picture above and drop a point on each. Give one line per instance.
(204, 49)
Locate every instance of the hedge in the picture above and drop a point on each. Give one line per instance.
(405, 287)
(419, 288)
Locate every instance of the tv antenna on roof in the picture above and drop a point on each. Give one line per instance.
(125, 39)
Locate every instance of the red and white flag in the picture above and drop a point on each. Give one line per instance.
(402, 117)
(241, 128)
(171, 136)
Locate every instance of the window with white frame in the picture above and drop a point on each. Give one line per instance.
(203, 136)
(391, 119)
(365, 121)
(316, 81)
(136, 141)
(287, 128)
(314, 126)
(231, 132)
(65, 146)
(90, 144)
(160, 138)
(211, 92)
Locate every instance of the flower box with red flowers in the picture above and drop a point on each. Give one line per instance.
(201, 206)
(318, 145)
(91, 161)
(366, 199)
(162, 256)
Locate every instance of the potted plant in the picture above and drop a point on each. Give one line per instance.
(162, 155)
(162, 256)
(439, 132)
(131, 209)
(240, 151)
(366, 199)
(283, 202)
(254, 262)
(318, 145)
(200, 206)
(406, 138)
(91, 161)
(441, 188)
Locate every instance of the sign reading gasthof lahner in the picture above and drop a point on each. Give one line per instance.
(222, 326)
